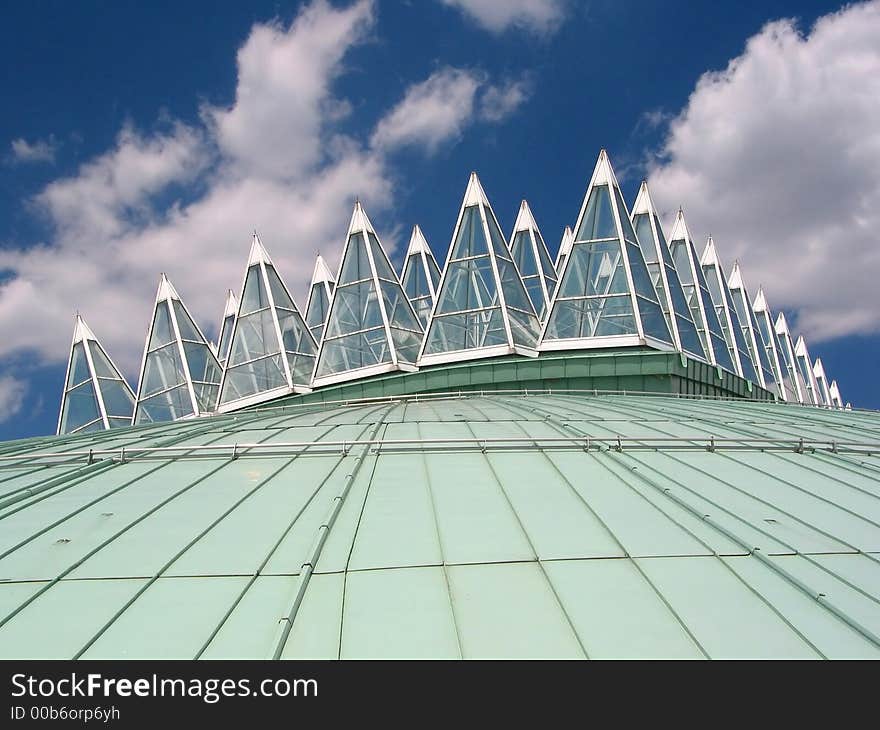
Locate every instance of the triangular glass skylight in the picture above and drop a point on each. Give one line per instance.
(533, 261)
(731, 327)
(482, 308)
(823, 389)
(421, 276)
(372, 327)
(665, 277)
(96, 396)
(805, 368)
(564, 249)
(834, 394)
(180, 374)
(320, 294)
(774, 349)
(605, 296)
(750, 333)
(696, 292)
(226, 327)
(791, 362)
(272, 351)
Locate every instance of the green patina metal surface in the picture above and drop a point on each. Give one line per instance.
(494, 525)
(633, 370)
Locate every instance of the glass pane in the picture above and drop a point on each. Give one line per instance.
(594, 268)
(354, 351)
(168, 406)
(642, 281)
(414, 283)
(202, 364)
(646, 237)
(523, 254)
(356, 265)
(253, 377)
(690, 340)
(398, 309)
(406, 344)
(596, 317)
(80, 407)
(653, 320)
(514, 292)
(319, 306)
(628, 232)
(79, 366)
(466, 331)
(499, 242)
(598, 221)
(380, 260)
(117, 398)
(434, 272)
(471, 240)
(546, 264)
(163, 333)
(255, 337)
(118, 422)
(206, 396)
(294, 334)
(226, 337)
(254, 297)
(469, 285)
(355, 307)
(163, 370)
(103, 366)
(279, 293)
(524, 328)
(301, 367)
(186, 326)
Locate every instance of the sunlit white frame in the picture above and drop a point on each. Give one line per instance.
(82, 333)
(805, 366)
(788, 355)
(322, 282)
(474, 195)
(785, 381)
(564, 250)
(822, 383)
(167, 293)
(644, 205)
(603, 174)
(834, 394)
(525, 223)
(419, 253)
(360, 225)
(224, 336)
(259, 257)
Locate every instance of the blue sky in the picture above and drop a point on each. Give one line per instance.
(138, 138)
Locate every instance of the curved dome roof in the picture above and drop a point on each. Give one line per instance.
(494, 525)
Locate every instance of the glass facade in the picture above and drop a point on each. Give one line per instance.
(371, 323)
(529, 251)
(96, 396)
(482, 302)
(421, 276)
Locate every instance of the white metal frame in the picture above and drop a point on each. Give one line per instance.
(166, 294)
(229, 311)
(644, 205)
(564, 251)
(322, 278)
(822, 382)
(788, 354)
(82, 333)
(360, 225)
(781, 373)
(259, 257)
(420, 251)
(834, 394)
(526, 223)
(603, 174)
(805, 366)
(475, 195)
(754, 341)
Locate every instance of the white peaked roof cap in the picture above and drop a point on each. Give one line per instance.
(524, 219)
(322, 272)
(166, 289)
(760, 304)
(782, 324)
(475, 194)
(417, 242)
(735, 280)
(231, 304)
(81, 331)
(258, 252)
(603, 174)
(819, 369)
(800, 347)
(680, 228)
(359, 220)
(710, 254)
(643, 203)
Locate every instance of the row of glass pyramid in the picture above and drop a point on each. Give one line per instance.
(615, 283)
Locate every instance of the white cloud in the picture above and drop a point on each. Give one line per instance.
(499, 102)
(12, 392)
(536, 16)
(438, 109)
(184, 199)
(778, 156)
(41, 150)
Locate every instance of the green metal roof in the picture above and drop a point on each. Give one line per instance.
(495, 525)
